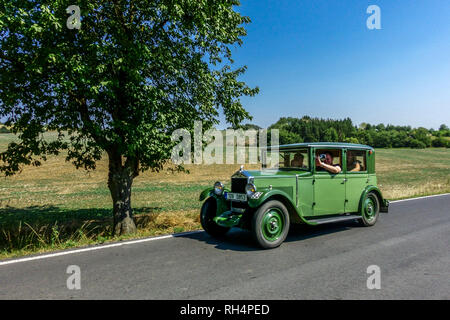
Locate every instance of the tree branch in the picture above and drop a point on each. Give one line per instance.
(82, 109)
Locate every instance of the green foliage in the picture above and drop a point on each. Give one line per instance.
(417, 144)
(134, 72)
(351, 140)
(247, 126)
(313, 129)
(331, 135)
(422, 135)
(294, 130)
(441, 142)
(288, 137)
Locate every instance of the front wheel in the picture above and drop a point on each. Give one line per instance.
(370, 210)
(270, 224)
(207, 213)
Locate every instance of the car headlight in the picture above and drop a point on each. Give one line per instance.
(250, 189)
(218, 188)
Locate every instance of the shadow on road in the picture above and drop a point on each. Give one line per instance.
(241, 240)
(304, 232)
(235, 240)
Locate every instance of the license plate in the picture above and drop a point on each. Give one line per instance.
(237, 196)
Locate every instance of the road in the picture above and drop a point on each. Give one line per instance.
(410, 244)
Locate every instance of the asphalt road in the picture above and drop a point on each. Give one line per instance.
(410, 244)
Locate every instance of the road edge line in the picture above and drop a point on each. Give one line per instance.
(97, 247)
(423, 197)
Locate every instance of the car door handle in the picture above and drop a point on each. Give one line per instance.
(343, 181)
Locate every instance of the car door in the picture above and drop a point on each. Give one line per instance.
(329, 191)
(356, 181)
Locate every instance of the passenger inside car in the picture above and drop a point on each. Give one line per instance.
(352, 163)
(297, 161)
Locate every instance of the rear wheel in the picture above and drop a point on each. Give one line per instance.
(207, 213)
(370, 209)
(270, 224)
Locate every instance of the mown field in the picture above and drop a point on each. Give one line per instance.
(55, 206)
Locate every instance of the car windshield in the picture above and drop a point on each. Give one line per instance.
(287, 160)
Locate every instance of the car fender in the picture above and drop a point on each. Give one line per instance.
(205, 194)
(384, 204)
(221, 203)
(253, 203)
(295, 213)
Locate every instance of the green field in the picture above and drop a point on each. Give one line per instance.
(55, 206)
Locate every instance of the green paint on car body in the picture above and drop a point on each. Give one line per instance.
(307, 193)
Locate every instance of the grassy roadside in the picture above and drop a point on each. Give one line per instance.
(56, 207)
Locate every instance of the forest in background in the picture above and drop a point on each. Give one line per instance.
(307, 129)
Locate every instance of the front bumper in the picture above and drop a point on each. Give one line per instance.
(229, 213)
(228, 219)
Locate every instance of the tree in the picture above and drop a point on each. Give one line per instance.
(247, 126)
(416, 144)
(288, 137)
(440, 142)
(399, 139)
(381, 139)
(352, 140)
(363, 125)
(135, 71)
(422, 135)
(330, 135)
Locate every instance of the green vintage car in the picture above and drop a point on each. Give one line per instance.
(311, 183)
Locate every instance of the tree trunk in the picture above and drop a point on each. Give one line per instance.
(120, 179)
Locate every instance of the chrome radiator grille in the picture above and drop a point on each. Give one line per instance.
(238, 185)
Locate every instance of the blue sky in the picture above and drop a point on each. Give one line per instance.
(318, 58)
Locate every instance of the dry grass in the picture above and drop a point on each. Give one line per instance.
(405, 173)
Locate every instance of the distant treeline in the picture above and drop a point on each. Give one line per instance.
(307, 129)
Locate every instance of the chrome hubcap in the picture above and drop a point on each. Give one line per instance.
(273, 225)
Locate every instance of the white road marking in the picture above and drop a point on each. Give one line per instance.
(112, 245)
(409, 199)
(124, 243)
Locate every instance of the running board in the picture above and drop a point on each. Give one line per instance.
(334, 219)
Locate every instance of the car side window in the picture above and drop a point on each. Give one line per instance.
(298, 159)
(356, 160)
(336, 156)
